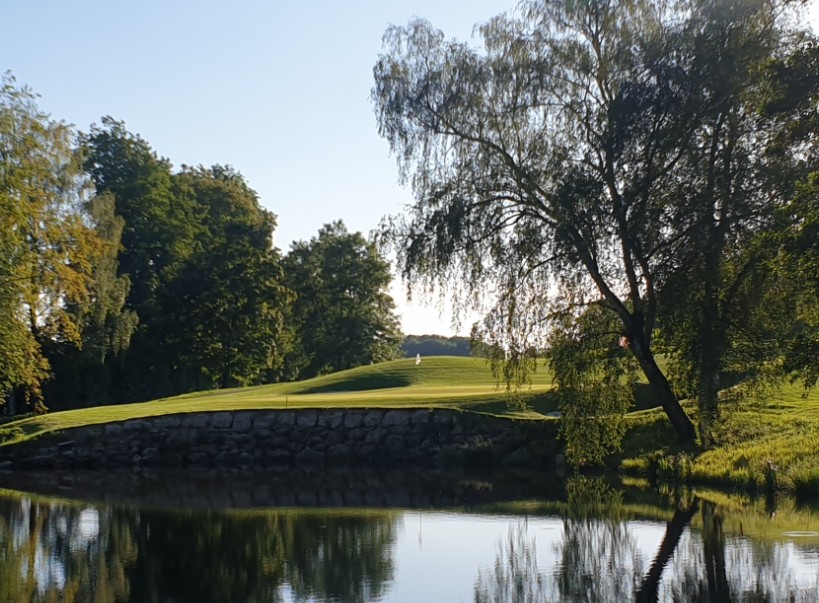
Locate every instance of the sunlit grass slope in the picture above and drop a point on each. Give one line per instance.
(769, 440)
(438, 382)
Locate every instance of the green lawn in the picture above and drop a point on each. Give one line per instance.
(438, 382)
(769, 439)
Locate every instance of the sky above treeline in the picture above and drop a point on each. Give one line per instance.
(280, 90)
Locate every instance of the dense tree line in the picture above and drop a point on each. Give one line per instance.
(633, 178)
(122, 279)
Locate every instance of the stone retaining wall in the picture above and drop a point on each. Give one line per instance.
(309, 437)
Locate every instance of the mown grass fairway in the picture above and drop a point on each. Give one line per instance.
(438, 382)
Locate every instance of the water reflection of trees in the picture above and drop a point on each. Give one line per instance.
(515, 577)
(62, 552)
(597, 557)
(735, 569)
(597, 550)
(599, 561)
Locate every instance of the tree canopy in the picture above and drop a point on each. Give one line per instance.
(124, 279)
(225, 308)
(598, 154)
(50, 249)
(342, 313)
(207, 282)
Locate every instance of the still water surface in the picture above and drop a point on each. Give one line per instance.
(210, 538)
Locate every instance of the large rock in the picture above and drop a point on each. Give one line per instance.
(396, 418)
(222, 420)
(309, 457)
(353, 419)
(308, 418)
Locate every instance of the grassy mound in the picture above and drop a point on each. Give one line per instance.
(437, 382)
(436, 371)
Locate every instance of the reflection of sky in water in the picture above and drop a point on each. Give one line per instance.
(439, 556)
(49, 571)
(88, 527)
(47, 568)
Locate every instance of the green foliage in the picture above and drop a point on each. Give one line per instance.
(50, 251)
(206, 281)
(625, 154)
(82, 376)
(224, 308)
(728, 306)
(343, 314)
(158, 233)
(761, 444)
(159, 225)
(595, 378)
(106, 326)
(800, 265)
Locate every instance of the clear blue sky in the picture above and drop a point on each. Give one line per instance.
(280, 90)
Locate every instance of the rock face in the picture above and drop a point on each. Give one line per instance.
(331, 437)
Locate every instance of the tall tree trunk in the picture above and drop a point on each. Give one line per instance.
(11, 404)
(665, 395)
(709, 382)
(712, 335)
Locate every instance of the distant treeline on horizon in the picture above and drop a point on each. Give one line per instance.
(436, 345)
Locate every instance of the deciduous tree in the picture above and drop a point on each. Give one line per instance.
(224, 311)
(584, 155)
(49, 249)
(343, 314)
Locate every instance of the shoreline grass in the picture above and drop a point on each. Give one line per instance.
(764, 442)
(448, 382)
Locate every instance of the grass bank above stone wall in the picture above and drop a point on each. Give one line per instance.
(766, 441)
(437, 382)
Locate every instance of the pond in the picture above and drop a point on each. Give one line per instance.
(296, 536)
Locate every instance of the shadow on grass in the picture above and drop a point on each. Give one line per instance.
(649, 435)
(365, 382)
(547, 403)
(542, 403)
